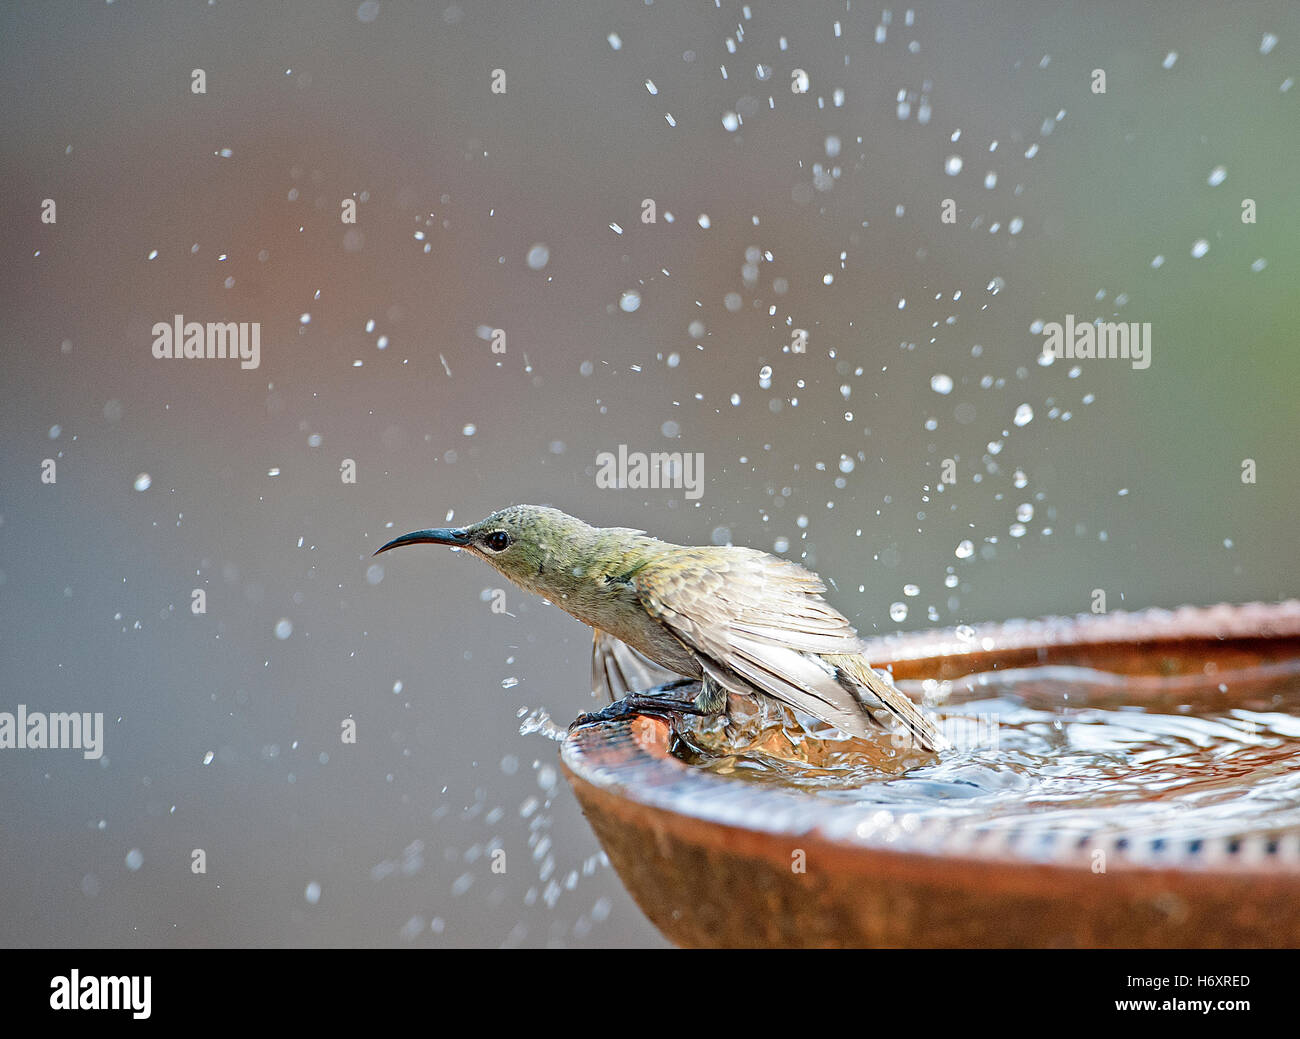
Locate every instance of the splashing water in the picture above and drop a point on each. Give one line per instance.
(1050, 749)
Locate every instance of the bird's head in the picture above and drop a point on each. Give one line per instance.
(541, 549)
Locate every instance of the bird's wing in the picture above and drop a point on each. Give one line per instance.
(756, 619)
(617, 669)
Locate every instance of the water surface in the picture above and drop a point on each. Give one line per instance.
(1050, 751)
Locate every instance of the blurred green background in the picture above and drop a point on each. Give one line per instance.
(823, 213)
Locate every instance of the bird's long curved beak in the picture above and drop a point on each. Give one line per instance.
(455, 537)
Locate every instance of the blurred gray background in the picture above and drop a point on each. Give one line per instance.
(822, 213)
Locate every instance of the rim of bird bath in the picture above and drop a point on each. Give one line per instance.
(711, 859)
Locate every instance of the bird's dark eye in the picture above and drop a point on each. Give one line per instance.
(497, 541)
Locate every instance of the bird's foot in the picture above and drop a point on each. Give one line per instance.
(652, 701)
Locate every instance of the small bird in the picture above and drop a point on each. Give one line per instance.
(732, 619)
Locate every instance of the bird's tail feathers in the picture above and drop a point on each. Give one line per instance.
(873, 690)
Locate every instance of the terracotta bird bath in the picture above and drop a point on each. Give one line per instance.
(717, 860)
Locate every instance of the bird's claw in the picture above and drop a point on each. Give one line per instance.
(639, 703)
(618, 709)
(586, 718)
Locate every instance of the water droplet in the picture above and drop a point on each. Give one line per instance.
(630, 301)
(1200, 247)
(941, 383)
(143, 482)
(538, 256)
(509, 683)
(965, 550)
(469, 429)
(953, 166)
(207, 758)
(898, 611)
(1267, 42)
(312, 893)
(134, 859)
(911, 590)
(1217, 176)
(1024, 415)
(283, 628)
(1024, 512)
(1170, 58)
